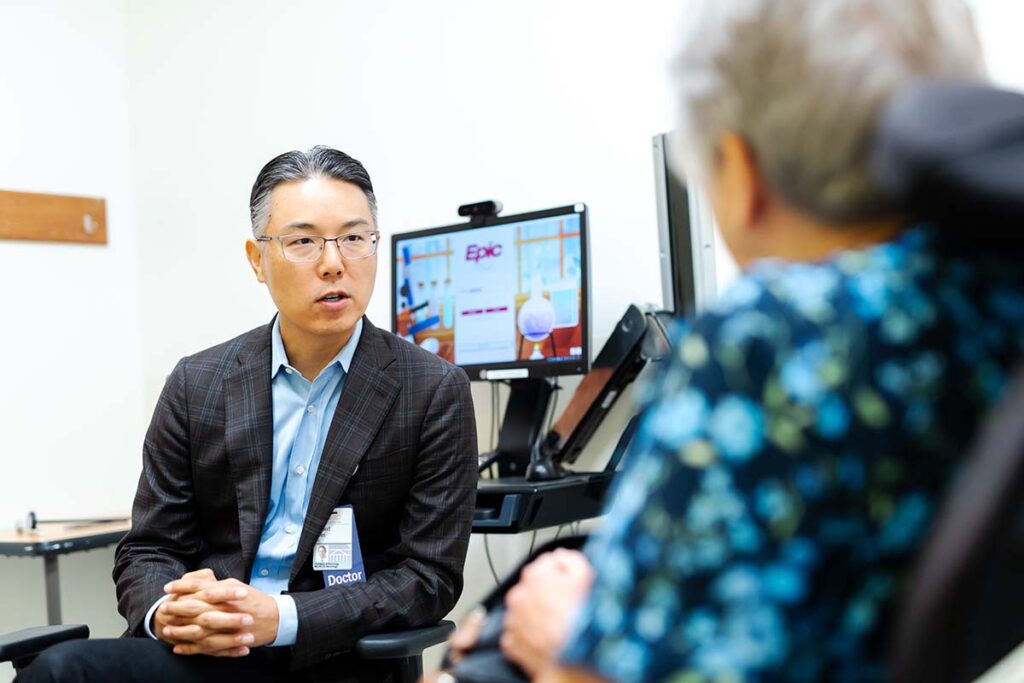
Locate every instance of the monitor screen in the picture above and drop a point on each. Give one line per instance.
(505, 299)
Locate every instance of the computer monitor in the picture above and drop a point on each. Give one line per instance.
(504, 298)
(686, 236)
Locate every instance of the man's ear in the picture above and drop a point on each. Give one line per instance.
(255, 256)
(740, 181)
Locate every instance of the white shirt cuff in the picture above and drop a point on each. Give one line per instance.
(287, 621)
(149, 616)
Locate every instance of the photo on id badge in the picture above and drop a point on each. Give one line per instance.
(337, 552)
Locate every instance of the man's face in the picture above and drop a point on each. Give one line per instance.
(325, 207)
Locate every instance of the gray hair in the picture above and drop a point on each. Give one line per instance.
(803, 82)
(318, 162)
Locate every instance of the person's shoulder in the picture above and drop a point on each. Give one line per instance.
(773, 305)
(799, 299)
(411, 361)
(810, 292)
(779, 308)
(226, 354)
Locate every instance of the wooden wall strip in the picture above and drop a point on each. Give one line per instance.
(52, 218)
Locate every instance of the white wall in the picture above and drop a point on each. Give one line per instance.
(70, 396)
(999, 23)
(534, 103)
(71, 400)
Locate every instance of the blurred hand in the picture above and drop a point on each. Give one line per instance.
(438, 677)
(540, 608)
(466, 634)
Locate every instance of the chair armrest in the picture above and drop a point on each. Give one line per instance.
(398, 644)
(29, 642)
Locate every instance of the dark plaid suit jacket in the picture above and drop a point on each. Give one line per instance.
(401, 450)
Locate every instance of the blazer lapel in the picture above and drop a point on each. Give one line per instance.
(249, 439)
(365, 401)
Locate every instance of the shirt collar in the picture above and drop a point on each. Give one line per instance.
(279, 359)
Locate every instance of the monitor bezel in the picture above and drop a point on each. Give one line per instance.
(686, 236)
(514, 369)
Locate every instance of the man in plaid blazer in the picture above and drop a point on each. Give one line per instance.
(215, 577)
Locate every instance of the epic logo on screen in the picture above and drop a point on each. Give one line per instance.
(478, 252)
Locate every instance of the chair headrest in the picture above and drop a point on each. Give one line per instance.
(954, 151)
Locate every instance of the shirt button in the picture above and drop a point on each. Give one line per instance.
(290, 529)
(300, 469)
(264, 572)
(289, 370)
(310, 408)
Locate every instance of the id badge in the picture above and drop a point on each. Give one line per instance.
(336, 552)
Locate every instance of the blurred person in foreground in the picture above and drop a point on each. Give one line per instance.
(791, 458)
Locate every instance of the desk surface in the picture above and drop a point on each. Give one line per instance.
(511, 505)
(57, 539)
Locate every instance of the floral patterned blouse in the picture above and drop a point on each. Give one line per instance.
(789, 462)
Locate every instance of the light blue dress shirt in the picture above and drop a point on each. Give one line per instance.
(303, 412)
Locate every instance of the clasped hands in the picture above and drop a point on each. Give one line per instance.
(219, 618)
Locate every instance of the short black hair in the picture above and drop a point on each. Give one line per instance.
(296, 165)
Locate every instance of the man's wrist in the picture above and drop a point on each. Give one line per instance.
(147, 623)
(287, 621)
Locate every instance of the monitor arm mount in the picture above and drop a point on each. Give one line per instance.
(543, 466)
(638, 338)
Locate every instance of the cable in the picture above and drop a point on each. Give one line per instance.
(491, 474)
(532, 541)
(554, 404)
(490, 563)
(494, 415)
(486, 463)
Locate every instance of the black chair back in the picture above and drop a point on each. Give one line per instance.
(953, 153)
(965, 606)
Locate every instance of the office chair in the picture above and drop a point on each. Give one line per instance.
(404, 649)
(964, 610)
(954, 153)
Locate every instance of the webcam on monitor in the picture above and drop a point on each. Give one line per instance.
(485, 209)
